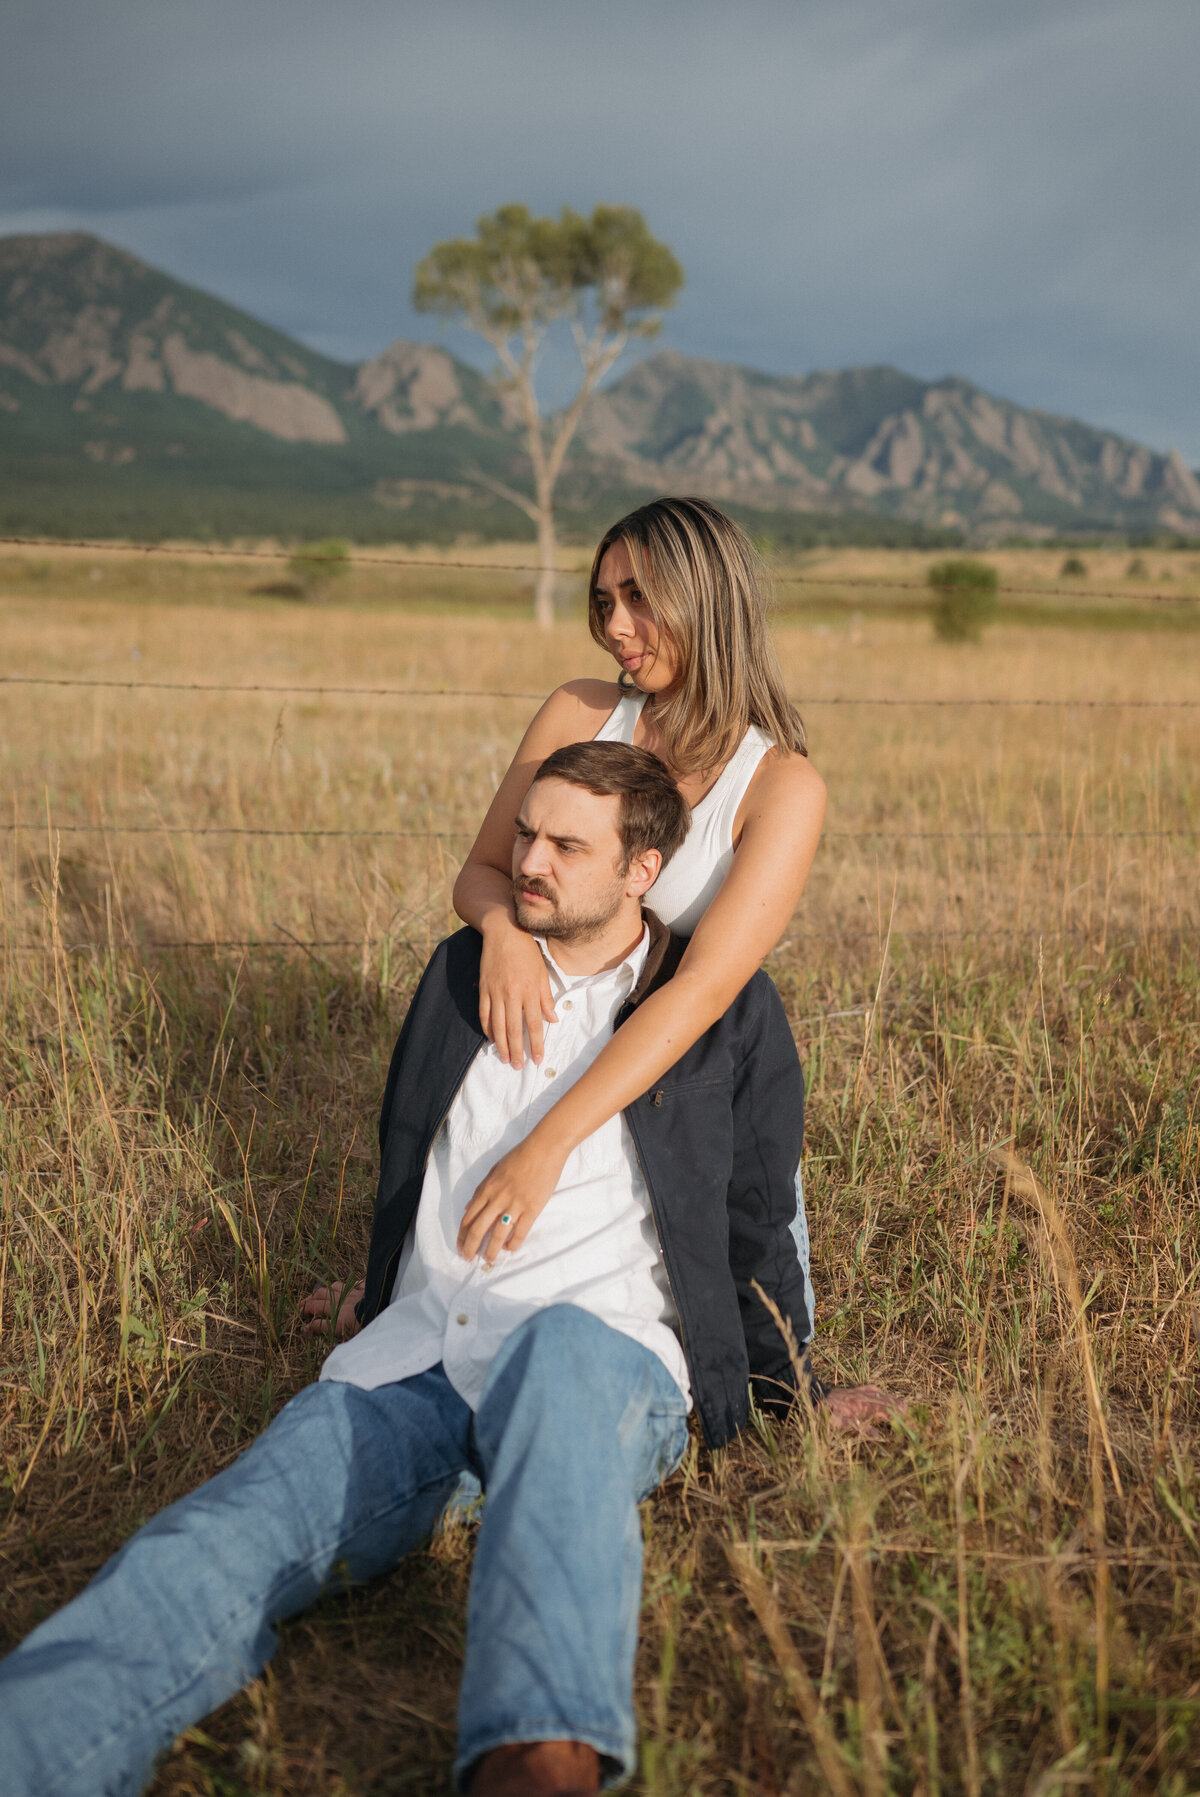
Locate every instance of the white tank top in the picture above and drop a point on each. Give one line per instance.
(692, 877)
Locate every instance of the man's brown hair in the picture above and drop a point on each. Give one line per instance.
(653, 813)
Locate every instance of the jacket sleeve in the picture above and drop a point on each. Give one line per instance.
(432, 978)
(428, 979)
(768, 1124)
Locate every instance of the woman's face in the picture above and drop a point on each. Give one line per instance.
(633, 638)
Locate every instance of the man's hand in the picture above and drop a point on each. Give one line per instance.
(327, 1301)
(510, 1200)
(855, 1409)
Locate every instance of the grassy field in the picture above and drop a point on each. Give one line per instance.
(993, 981)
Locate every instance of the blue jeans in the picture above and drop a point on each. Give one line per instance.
(468, 1491)
(576, 1424)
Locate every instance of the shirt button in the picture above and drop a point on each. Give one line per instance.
(550, 1072)
(567, 1005)
(462, 1317)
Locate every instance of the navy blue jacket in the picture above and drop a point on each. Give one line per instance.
(718, 1138)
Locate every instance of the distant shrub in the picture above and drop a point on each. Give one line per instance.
(281, 589)
(1137, 569)
(966, 598)
(964, 574)
(1074, 568)
(315, 565)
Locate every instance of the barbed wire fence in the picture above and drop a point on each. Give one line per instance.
(951, 933)
(470, 692)
(304, 831)
(779, 577)
(287, 941)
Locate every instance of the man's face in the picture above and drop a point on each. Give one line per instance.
(568, 880)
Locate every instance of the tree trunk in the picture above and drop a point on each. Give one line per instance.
(543, 604)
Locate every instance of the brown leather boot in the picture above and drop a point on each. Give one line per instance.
(538, 1769)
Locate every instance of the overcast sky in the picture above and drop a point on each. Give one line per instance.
(1003, 189)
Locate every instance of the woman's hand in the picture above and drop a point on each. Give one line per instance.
(514, 993)
(510, 1200)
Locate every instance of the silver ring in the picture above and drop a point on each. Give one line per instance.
(506, 1218)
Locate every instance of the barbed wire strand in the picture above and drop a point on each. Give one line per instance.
(288, 942)
(455, 692)
(97, 546)
(304, 832)
(226, 830)
(213, 686)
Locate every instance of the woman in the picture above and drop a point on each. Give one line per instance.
(675, 597)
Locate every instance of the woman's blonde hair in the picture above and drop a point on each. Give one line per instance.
(703, 580)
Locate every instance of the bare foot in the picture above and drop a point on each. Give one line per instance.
(538, 1769)
(328, 1300)
(855, 1409)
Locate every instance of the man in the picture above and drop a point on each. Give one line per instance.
(561, 1376)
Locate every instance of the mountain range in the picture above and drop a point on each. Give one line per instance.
(133, 404)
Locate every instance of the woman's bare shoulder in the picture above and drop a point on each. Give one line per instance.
(572, 714)
(596, 695)
(583, 702)
(781, 782)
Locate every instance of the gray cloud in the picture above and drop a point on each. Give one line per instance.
(1006, 192)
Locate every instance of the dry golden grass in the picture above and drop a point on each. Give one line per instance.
(1003, 1151)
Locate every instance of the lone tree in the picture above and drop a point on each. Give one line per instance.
(605, 276)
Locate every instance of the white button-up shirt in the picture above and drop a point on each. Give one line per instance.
(594, 1245)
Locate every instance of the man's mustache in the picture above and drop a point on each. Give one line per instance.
(541, 888)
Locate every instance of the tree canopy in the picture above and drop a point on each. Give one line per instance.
(519, 272)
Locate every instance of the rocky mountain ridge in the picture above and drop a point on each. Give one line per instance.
(943, 451)
(75, 312)
(107, 363)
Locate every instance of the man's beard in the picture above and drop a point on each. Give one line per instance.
(559, 924)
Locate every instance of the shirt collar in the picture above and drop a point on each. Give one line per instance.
(627, 971)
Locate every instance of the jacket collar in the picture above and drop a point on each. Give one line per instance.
(662, 958)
